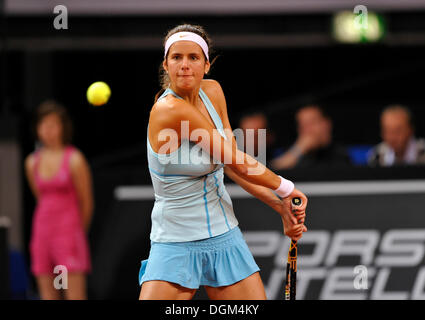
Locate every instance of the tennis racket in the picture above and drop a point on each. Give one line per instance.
(291, 265)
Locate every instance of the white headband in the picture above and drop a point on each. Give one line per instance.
(186, 36)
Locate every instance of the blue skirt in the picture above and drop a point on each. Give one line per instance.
(218, 261)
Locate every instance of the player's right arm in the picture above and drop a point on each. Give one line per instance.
(29, 172)
(173, 113)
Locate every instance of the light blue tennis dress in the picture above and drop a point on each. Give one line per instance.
(195, 238)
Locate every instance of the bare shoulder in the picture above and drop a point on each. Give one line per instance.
(213, 90)
(212, 86)
(168, 110)
(167, 104)
(77, 159)
(29, 161)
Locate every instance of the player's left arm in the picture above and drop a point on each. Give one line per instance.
(264, 194)
(82, 179)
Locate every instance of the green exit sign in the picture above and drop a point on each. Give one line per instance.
(359, 26)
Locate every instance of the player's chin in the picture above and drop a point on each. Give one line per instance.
(187, 83)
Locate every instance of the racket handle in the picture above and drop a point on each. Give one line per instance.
(291, 267)
(296, 202)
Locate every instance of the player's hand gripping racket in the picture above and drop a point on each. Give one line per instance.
(291, 266)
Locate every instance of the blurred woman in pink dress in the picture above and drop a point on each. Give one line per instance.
(60, 179)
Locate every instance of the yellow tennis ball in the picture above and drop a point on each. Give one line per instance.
(98, 93)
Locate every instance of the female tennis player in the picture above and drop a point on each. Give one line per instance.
(60, 179)
(195, 238)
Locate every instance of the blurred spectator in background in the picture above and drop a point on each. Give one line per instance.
(60, 179)
(399, 145)
(255, 121)
(314, 145)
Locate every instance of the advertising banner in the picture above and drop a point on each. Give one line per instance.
(365, 240)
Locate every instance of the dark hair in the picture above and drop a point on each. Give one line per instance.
(52, 107)
(164, 79)
(322, 111)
